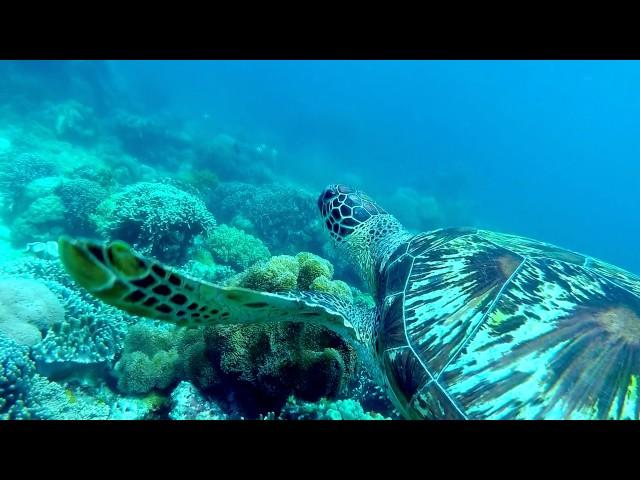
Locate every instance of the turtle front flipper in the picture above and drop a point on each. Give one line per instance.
(117, 275)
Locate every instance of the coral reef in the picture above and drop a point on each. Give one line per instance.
(157, 219)
(27, 308)
(16, 371)
(87, 341)
(187, 403)
(258, 367)
(80, 198)
(149, 360)
(347, 409)
(284, 217)
(40, 222)
(235, 248)
(278, 274)
(16, 172)
(305, 271)
(71, 121)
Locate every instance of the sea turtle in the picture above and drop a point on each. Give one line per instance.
(468, 323)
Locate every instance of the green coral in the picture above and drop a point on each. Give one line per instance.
(311, 267)
(149, 360)
(157, 219)
(305, 271)
(334, 287)
(278, 274)
(262, 365)
(235, 248)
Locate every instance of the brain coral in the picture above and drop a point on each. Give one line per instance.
(27, 307)
(157, 219)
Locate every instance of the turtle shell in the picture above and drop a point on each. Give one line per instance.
(477, 324)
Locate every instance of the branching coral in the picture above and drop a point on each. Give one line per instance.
(158, 219)
(235, 248)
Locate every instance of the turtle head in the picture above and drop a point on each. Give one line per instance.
(360, 227)
(343, 209)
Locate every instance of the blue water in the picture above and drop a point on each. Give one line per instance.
(546, 149)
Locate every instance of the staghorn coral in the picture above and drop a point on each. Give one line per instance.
(27, 308)
(235, 248)
(157, 219)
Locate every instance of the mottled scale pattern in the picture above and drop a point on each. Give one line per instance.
(561, 342)
(505, 327)
(450, 290)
